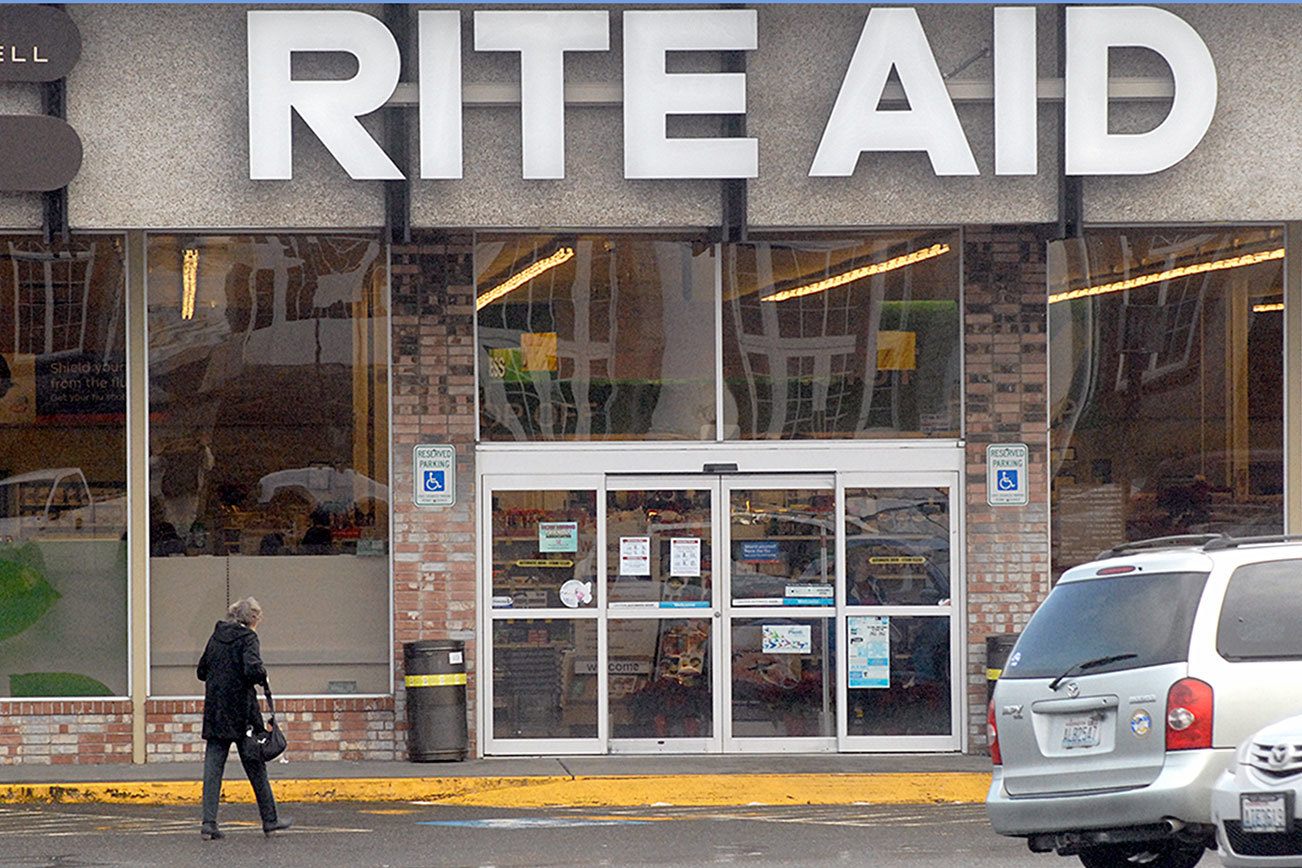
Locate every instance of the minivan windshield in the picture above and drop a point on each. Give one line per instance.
(1148, 615)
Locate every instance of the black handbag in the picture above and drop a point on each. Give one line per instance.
(268, 743)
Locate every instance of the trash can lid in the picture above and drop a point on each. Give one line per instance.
(432, 646)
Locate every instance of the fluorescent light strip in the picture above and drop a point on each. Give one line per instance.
(1268, 308)
(519, 279)
(860, 273)
(1170, 274)
(189, 281)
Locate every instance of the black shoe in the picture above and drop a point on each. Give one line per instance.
(279, 826)
(211, 833)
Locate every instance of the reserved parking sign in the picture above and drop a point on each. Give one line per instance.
(434, 475)
(1006, 467)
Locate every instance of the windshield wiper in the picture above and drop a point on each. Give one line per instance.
(1090, 664)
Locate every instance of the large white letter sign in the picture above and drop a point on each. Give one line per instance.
(329, 108)
(1091, 31)
(893, 37)
(542, 38)
(651, 94)
(440, 94)
(1016, 133)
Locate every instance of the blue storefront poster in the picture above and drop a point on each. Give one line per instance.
(870, 651)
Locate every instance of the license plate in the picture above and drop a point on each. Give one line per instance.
(1080, 732)
(1263, 812)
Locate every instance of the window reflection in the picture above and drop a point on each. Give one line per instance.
(545, 678)
(783, 547)
(595, 338)
(268, 437)
(842, 338)
(1166, 386)
(897, 546)
(63, 571)
(660, 678)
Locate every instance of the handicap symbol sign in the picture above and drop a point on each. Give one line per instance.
(1006, 480)
(435, 480)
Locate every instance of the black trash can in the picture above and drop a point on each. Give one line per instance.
(998, 647)
(436, 700)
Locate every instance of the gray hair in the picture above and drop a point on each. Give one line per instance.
(247, 612)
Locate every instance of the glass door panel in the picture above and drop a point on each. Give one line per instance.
(782, 678)
(659, 551)
(899, 605)
(661, 679)
(661, 675)
(782, 546)
(897, 546)
(542, 586)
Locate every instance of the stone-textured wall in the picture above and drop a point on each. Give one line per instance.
(1005, 374)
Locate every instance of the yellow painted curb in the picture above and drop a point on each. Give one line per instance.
(546, 791)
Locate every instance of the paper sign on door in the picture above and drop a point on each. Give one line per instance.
(685, 557)
(635, 556)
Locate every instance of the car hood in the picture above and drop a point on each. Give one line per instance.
(1287, 730)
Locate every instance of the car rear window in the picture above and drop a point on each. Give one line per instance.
(1261, 612)
(1149, 615)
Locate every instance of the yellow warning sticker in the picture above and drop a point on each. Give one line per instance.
(540, 564)
(910, 559)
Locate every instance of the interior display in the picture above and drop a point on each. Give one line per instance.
(63, 474)
(544, 678)
(269, 451)
(1166, 404)
(544, 549)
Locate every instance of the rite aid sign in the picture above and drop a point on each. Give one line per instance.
(892, 39)
(1006, 470)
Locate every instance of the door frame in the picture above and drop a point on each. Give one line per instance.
(534, 466)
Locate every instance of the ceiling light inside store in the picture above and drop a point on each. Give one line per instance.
(1169, 274)
(1268, 308)
(860, 273)
(189, 281)
(519, 279)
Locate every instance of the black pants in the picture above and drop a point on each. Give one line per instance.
(214, 765)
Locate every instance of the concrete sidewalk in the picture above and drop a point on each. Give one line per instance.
(536, 781)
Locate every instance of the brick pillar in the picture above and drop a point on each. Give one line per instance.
(1006, 379)
(433, 402)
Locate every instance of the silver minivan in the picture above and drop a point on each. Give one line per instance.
(1128, 691)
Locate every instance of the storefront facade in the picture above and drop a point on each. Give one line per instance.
(721, 402)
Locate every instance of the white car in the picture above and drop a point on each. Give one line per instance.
(1255, 802)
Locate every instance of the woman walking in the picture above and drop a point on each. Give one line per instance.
(231, 666)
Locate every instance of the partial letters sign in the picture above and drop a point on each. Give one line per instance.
(1006, 468)
(892, 39)
(434, 475)
(37, 153)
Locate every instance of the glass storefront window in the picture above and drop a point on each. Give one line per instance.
(595, 338)
(908, 692)
(545, 678)
(268, 464)
(842, 338)
(660, 677)
(783, 547)
(1166, 385)
(658, 548)
(63, 561)
(544, 549)
(783, 678)
(897, 546)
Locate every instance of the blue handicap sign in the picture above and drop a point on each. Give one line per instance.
(435, 480)
(1006, 480)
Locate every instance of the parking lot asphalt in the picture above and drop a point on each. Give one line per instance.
(409, 834)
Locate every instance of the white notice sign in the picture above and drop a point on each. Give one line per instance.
(635, 556)
(685, 557)
(434, 475)
(1006, 468)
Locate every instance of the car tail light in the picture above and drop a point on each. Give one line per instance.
(1189, 715)
(992, 735)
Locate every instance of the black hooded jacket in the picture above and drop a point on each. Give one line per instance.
(230, 667)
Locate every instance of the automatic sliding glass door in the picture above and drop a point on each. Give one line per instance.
(779, 610)
(899, 603)
(661, 593)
